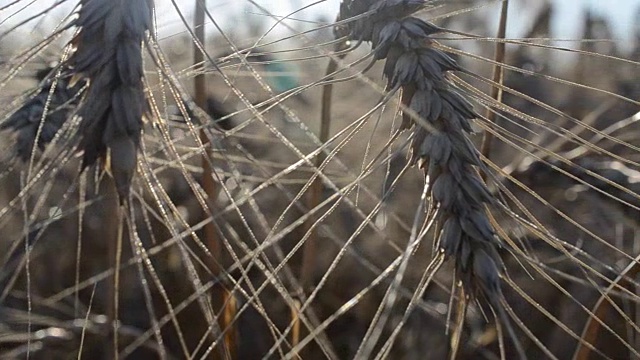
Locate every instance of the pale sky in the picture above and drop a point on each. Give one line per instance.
(232, 14)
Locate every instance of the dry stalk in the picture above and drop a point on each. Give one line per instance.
(498, 78)
(223, 301)
(108, 56)
(309, 252)
(114, 227)
(441, 146)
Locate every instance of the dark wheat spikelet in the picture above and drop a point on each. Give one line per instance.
(441, 145)
(109, 55)
(59, 99)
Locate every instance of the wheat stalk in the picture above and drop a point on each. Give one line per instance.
(441, 144)
(108, 54)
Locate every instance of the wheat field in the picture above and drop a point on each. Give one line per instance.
(357, 179)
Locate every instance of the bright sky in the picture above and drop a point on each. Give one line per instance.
(231, 13)
(566, 22)
(622, 14)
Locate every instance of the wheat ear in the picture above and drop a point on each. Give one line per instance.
(109, 55)
(40, 118)
(441, 146)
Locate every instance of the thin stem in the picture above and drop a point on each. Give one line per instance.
(309, 252)
(498, 77)
(219, 294)
(114, 237)
(208, 183)
(461, 312)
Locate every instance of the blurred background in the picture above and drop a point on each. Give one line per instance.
(56, 227)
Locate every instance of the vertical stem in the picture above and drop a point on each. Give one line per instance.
(461, 312)
(208, 183)
(220, 296)
(315, 191)
(295, 319)
(114, 236)
(309, 252)
(498, 77)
